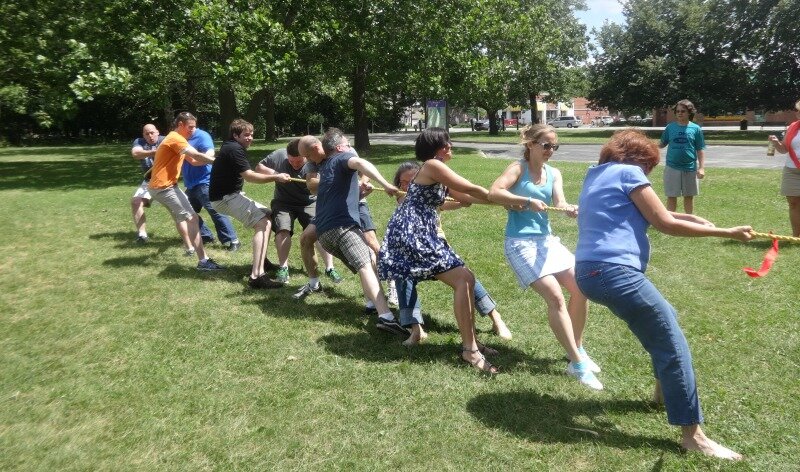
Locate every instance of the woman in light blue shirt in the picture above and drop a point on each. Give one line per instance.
(536, 256)
(617, 205)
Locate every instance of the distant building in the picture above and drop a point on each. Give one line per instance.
(546, 111)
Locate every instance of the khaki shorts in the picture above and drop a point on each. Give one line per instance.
(284, 216)
(247, 211)
(680, 183)
(790, 182)
(143, 191)
(176, 202)
(347, 245)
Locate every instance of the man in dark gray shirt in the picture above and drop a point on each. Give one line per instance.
(291, 201)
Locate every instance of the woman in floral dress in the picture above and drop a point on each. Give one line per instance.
(412, 249)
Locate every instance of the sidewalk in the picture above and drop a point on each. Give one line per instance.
(753, 157)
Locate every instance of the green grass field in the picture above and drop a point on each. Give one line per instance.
(600, 135)
(115, 356)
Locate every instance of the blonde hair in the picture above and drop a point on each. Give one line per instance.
(532, 134)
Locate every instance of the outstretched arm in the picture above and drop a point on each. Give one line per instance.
(436, 171)
(656, 214)
(140, 153)
(258, 178)
(193, 156)
(366, 168)
(500, 193)
(209, 153)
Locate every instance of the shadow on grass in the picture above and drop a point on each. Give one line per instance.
(542, 418)
(127, 239)
(336, 307)
(90, 173)
(370, 347)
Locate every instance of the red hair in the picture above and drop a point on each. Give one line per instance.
(630, 146)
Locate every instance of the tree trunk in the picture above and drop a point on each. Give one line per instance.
(492, 116)
(269, 117)
(534, 108)
(359, 86)
(254, 106)
(227, 109)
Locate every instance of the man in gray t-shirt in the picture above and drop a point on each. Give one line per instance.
(291, 201)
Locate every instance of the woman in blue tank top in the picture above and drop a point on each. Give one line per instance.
(538, 258)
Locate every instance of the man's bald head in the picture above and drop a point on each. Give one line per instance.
(150, 133)
(311, 148)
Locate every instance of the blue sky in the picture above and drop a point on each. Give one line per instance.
(599, 11)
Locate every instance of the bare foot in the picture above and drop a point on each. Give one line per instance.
(700, 443)
(418, 336)
(499, 327)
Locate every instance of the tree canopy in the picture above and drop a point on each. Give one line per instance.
(727, 55)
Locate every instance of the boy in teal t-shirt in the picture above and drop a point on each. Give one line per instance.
(685, 158)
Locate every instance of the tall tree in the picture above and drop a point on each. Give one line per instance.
(664, 54)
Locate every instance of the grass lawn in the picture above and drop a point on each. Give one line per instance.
(601, 135)
(115, 356)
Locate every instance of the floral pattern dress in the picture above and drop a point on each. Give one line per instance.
(411, 248)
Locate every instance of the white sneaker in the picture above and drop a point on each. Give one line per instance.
(590, 364)
(584, 375)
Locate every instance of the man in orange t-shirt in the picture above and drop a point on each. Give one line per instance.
(164, 185)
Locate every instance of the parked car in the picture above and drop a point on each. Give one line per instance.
(565, 122)
(602, 121)
(481, 125)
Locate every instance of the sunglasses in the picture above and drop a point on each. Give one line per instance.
(548, 146)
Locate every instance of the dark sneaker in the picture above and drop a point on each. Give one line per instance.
(263, 282)
(269, 266)
(209, 265)
(370, 310)
(142, 239)
(282, 275)
(233, 246)
(207, 240)
(305, 291)
(333, 275)
(391, 326)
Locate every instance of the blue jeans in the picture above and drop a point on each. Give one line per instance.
(634, 299)
(198, 197)
(411, 313)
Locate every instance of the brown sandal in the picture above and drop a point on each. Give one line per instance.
(486, 350)
(486, 367)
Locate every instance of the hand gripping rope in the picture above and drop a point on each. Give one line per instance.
(449, 199)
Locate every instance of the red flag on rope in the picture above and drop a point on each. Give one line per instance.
(766, 264)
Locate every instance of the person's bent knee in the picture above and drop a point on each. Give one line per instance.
(308, 238)
(263, 224)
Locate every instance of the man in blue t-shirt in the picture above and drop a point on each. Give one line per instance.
(143, 150)
(196, 178)
(685, 158)
(337, 220)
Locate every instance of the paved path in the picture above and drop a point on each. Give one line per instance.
(716, 156)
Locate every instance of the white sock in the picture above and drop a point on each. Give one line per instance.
(368, 303)
(313, 282)
(386, 316)
(203, 260)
